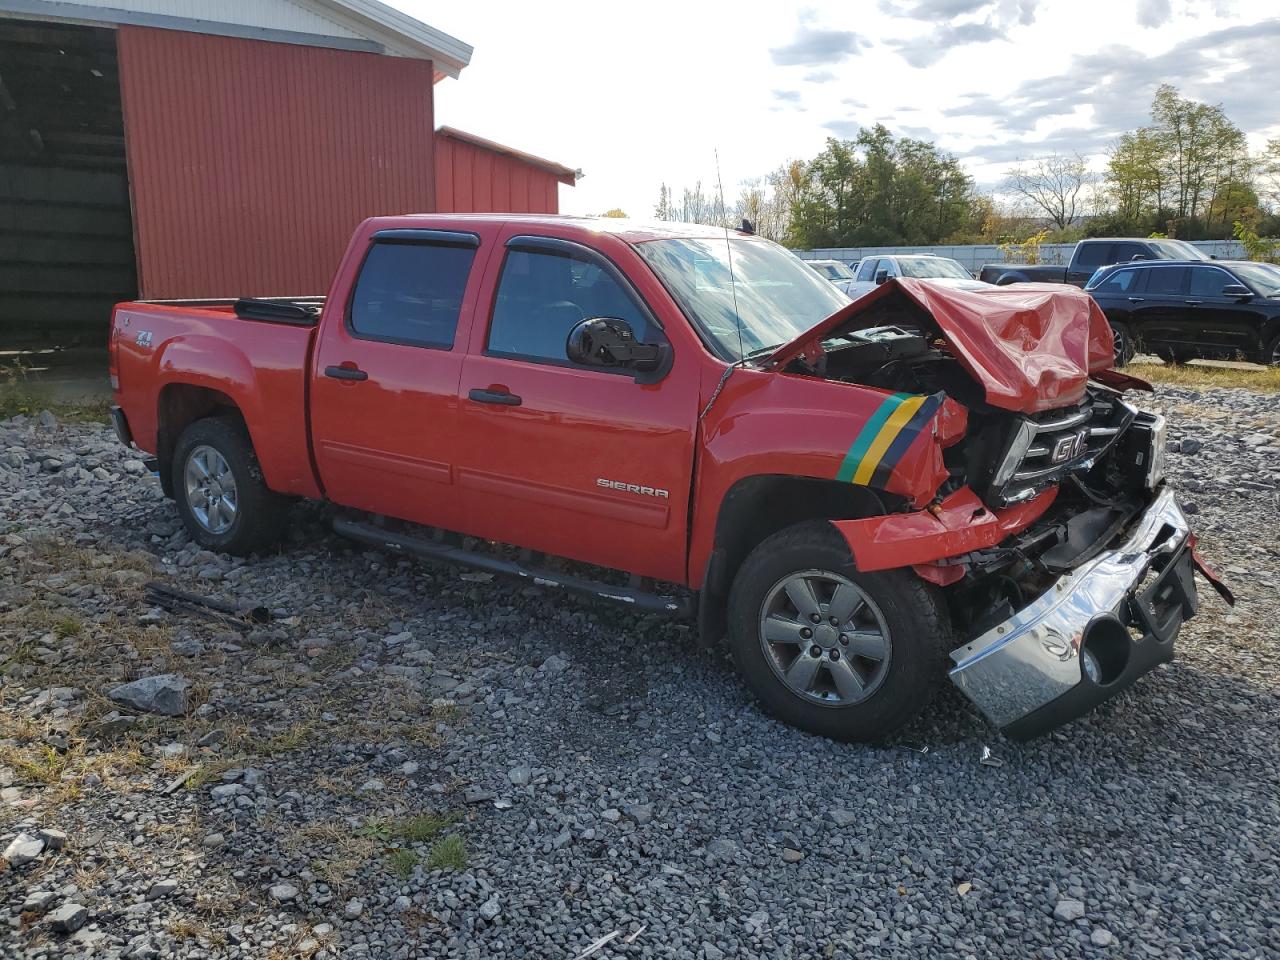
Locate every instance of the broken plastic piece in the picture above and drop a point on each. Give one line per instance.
(989, 759)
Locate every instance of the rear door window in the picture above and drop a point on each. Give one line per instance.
(411, 293)
(1165, 281)
(542, 295)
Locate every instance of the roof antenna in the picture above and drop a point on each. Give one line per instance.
(733, 287)
(728, 250)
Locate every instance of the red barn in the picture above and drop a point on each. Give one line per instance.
(220, 147)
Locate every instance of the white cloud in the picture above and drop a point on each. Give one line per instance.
(649, 95)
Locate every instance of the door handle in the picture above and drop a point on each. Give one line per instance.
(345, 373)
(500, 397)
(1137, 299)
(1193, 303)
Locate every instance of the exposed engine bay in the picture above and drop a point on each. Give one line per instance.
(1104, 456)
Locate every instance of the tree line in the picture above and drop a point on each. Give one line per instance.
(1188, 174)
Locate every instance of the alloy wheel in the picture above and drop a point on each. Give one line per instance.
(824, 638)
(211, 489)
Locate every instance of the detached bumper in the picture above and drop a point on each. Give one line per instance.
(1100, 628)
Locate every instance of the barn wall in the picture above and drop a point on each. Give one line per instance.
(471, 179)
(250, 162)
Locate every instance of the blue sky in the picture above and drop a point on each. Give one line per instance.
(639, 94)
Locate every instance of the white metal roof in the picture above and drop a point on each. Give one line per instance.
(367, 25)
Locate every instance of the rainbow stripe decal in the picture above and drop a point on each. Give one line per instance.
(886, 437)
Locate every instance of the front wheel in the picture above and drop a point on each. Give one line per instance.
(827, 648)
(222, 497)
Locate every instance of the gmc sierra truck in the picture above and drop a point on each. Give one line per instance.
(862, 496)
(1088, 257)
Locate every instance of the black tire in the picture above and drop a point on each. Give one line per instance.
(260, 514)
(918, 628)
(1125, 348)
(1271, 356)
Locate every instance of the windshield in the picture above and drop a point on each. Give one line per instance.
(774, 296)
(1177, 250)
(1263, 278)
(932, 268)
(832, 271)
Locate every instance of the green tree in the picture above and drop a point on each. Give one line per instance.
(878, 190)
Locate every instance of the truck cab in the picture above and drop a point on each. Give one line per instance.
(696, 424)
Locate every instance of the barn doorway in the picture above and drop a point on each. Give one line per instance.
(66, 234)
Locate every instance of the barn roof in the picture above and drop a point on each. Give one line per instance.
(367, 25)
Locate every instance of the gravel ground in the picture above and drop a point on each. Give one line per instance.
(413, 762)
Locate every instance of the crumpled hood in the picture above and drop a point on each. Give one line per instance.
(1032, 346)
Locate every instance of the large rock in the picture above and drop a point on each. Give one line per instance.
(24, 848)
(68, 918)
(165, 693)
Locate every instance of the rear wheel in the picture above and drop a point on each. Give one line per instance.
(1125, 349)
(222, 498)
(826, 648)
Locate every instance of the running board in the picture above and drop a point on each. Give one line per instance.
(435, 550)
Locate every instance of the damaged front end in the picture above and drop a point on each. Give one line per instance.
(1066, 562)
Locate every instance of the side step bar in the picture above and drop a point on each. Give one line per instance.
(433, 550)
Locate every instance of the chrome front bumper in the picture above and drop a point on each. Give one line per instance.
(1102, 626)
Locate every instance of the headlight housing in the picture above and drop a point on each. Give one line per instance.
(1151, 432)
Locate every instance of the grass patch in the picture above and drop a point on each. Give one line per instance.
(36, 764)
(207, 772)
(416, 829)
(297, 735)
(1261, 379)
(68, 626)
(448, 854)
(424, 826)
(402, 862)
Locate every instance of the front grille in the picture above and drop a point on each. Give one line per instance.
(1045, 448)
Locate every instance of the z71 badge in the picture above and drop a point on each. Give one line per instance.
(143, 339)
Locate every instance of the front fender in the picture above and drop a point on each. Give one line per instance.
(769, 423)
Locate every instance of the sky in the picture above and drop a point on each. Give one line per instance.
(640, 94)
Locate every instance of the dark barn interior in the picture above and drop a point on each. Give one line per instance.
(66, 237)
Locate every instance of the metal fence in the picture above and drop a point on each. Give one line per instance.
(972, 256)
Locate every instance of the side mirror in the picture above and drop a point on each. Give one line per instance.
(610, 342)
(881, 276)
(1237, 290)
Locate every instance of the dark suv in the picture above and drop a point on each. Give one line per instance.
(1179, 310)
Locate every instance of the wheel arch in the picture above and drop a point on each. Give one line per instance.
(179, 405)
(755, 508)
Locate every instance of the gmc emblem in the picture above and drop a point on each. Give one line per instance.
(1068, 448)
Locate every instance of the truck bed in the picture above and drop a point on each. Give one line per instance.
(253, 352)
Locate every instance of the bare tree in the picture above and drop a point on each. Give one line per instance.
(1057, 185)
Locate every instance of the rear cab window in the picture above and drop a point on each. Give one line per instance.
(1094, 254)
(543, 293)
(410, 291)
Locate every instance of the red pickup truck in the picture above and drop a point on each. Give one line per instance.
(863, 496)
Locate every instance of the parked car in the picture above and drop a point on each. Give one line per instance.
(873, 271)
(1179, 310)
(1087, 257)
(852, 492)
(835, 271)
